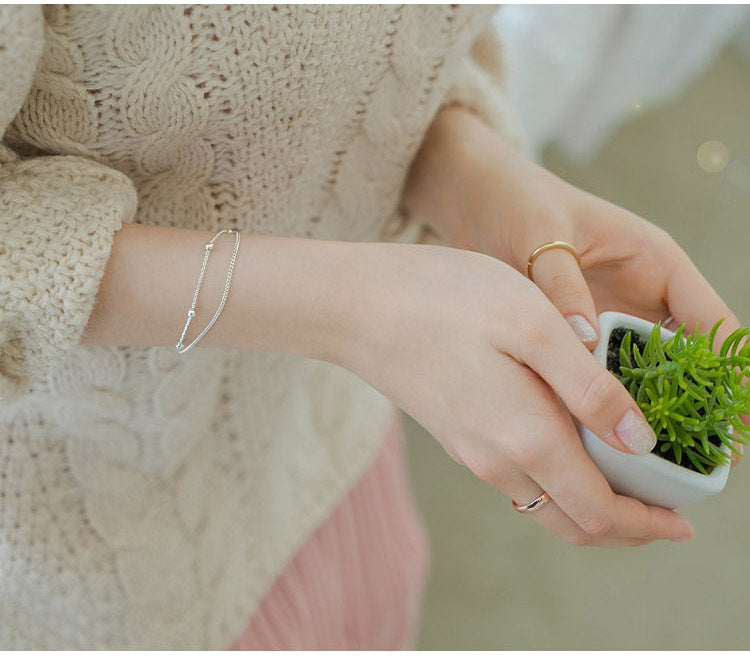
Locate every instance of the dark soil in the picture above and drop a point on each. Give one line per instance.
(613, 347)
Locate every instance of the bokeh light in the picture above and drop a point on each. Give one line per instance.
(713, 156)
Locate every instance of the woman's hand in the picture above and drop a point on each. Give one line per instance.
(478, 355)
(481, 194)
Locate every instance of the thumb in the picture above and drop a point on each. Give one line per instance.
(590, 392)
(559, 277)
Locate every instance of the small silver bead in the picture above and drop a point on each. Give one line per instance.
(178, 346)
(209, 246)
(191, 314)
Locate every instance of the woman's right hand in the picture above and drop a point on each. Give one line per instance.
(479, 356)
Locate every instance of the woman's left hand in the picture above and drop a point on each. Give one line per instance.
(481, 194)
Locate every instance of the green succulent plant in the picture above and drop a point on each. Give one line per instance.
(691, 396)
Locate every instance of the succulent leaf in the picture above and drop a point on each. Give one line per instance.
(690, 395)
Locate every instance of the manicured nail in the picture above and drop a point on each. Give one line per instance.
(635, 433)
(582, 328)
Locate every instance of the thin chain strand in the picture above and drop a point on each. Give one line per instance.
(191, 312)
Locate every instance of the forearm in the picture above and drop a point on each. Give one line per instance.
(286, 294)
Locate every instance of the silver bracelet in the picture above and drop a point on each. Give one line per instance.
(191, 313)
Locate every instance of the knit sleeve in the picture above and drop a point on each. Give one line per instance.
(480, 85)
(58, 216)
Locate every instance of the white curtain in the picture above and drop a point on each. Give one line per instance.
(576, 72)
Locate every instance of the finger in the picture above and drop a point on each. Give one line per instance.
(737, 457)
(550, 516)
(552, 456)
(601, 513)
(557, 522)
(605, 514)
(591, 393)
(693, 301)
(558, 276)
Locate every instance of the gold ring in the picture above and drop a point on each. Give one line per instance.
(536, 504)
(554, 244)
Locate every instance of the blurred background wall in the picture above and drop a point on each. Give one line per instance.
(648, 107)
(577, 72)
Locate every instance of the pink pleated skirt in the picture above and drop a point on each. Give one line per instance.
(358, 581)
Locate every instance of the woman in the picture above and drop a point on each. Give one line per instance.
(250, 493)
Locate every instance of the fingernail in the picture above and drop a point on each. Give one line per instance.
(635, 433)
(582, 328)
(689, 534)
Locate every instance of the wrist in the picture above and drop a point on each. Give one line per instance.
(444, 172)
(286, 294)
(295, 296)
(472, 186)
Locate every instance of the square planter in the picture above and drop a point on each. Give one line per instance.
(649, 478)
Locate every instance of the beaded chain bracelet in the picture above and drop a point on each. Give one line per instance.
(180, 347)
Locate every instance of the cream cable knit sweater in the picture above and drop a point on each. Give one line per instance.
(148, 499)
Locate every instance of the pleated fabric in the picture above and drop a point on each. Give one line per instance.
(358, 581)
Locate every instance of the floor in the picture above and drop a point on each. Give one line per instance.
(498, 580)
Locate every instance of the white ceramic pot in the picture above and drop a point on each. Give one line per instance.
(650, 478)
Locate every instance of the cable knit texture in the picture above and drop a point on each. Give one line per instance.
(149, 499)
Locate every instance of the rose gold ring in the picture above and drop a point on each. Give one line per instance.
(554, 244)
(536, 504)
